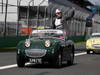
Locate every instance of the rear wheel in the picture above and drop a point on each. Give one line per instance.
(20, 61)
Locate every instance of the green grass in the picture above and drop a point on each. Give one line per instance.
(80, 43)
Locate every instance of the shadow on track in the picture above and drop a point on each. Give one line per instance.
(47, 66)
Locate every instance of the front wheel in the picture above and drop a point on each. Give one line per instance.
(58, 62)
(88, 51)
(71, 55)
(20, 61)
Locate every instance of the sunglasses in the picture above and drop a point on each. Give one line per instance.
(58, 13)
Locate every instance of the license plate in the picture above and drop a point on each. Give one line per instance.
(32, 60)
(35, 60)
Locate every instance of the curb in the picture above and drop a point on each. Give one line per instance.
(12, 49)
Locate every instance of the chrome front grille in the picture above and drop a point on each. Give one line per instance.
(35, 52)
(96, 45)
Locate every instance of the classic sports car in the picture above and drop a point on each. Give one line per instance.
(46, 46)
(93, 43)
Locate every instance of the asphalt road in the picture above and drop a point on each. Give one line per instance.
(84, 64)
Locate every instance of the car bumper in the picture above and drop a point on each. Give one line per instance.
(92, 48)
(35, 53)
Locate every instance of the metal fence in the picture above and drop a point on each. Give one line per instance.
(10, 28)
(96, 23)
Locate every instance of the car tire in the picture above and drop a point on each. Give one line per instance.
(88, 51)
(43, 62)
(20, 61)
(71, 55)
(58, 62)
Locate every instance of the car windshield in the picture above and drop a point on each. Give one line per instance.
(48, 34)
(95, 35)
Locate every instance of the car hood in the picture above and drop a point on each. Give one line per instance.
(94, 40)
(40, 43)
(44, 39)
(52, 40)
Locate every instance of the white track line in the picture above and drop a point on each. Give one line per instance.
(15, 65)
(10, 66)
(7, 67)
(78, 54)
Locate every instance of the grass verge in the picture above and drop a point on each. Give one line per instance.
(14, 48)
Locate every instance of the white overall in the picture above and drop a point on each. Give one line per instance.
(58, 23)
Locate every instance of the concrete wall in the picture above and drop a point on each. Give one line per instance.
(11, 13)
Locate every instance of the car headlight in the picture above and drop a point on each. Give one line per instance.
(27, 44)
(47, 43)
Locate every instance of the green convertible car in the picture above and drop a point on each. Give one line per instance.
(46, 46)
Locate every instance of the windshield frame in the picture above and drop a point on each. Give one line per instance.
(47, 32)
